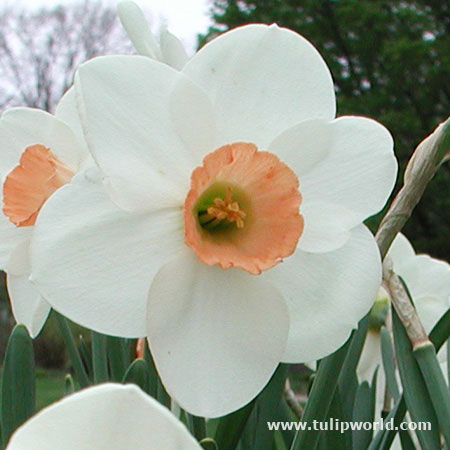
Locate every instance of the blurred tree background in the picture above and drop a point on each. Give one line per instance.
(391, 61)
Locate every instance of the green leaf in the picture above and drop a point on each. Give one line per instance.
(364, 411)
(437, 387)
(387, 354)
(86, 356)
(441, 331)
(279, 441)
(321, 396)
(99, 357)
(267, 408)
(209, 444)
(138, 374)
(18, 383)
(118, 357)
(231, 426)
(448, 360)
(72, 350)
(384, 438)
(153, 374)
(162, 396)
(416, 394)
(348, 381)
(334, 439)
(406, 440)
(196, 425)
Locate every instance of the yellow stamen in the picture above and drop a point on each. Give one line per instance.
(226, 209)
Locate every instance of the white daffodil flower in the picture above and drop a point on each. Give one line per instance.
(225, 223)
(169, 50)
(104, 417)
(40, 153)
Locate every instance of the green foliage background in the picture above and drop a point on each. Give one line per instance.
(390, 60)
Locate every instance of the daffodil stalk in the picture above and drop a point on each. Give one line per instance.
(426, 160)
(421, 168)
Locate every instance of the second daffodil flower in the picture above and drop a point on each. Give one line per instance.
(40, 153)
(225, 222)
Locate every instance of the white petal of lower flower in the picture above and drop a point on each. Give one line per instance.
(94, 262)
(358, 173)
(327, 294)
(28, 306)
(400, 250)
(426, 276)
(216, 335)
(430, 310)
(128, 105)
(23, 127)
(104, 417)
(370, 357)
(262, 80)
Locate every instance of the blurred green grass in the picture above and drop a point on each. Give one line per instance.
(49, 386)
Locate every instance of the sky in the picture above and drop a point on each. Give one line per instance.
(184, 18)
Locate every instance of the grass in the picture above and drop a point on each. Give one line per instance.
(49, 386)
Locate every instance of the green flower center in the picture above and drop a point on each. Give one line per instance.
(222, 207)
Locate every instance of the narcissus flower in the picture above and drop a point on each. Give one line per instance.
(225, 222)
(104, 417)
(39, 154)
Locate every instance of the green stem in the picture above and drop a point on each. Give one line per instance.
(72, 350)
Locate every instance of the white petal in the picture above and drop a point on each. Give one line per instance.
(356, 177)
(172, 50)
(321, 233)
(22, 127)
(216, 335)
(104, 417)
(10, 237)
(431, 309)
(94, 262)
(327, 294)
(262, 80)
(130, 107)
(28, 306)
(370, 357)
(400, 250)
(136, 26)
(426, 277)
(19, 259)
(67, 111)
(303, 146)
